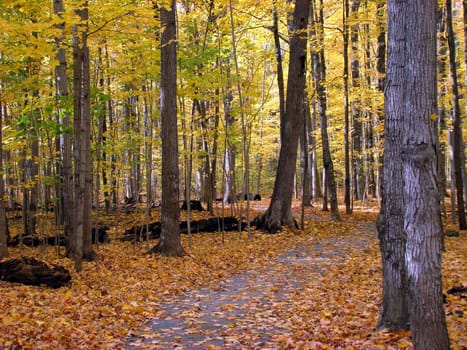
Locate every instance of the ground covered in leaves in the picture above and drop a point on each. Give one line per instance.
(109, 303)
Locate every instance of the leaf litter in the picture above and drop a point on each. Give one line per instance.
(319, 288)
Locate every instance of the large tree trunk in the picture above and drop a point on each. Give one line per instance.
(422, 219)
(280, 212)
(169, 243)
(394, 310)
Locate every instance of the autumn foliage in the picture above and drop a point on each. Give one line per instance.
(112, 298)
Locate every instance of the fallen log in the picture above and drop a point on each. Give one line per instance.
(35, 240)
(30, 271)
(153, 230)
(194, 205)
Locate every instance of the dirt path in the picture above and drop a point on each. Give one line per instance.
(245, 311)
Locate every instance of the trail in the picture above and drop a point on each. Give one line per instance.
(245, 311)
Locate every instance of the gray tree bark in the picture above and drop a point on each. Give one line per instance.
(422, 219)
(394, 309)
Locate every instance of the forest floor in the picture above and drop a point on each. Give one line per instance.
(317, 288)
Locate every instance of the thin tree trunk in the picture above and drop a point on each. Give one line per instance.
(357, 133)
(280, 72)
(442, 109)
(245, 142)
(347, 175)
(319, 71)
(315, 180)
(3, 220)
(459, 160)
(381, 80)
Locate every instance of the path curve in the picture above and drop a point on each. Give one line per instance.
(244, 312)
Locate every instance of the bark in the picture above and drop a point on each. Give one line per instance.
(347, 186)
(82, 199)
(394, 309)
(357, 132)
(3, 221)
(279, 212)
(170, 242)
(315, 181)
(422, 220)
(245, 141)
(229, 153)
(442, 108)
(381, 79)
(459, 161)
(305, 161)
(319, 72)
(280, 72)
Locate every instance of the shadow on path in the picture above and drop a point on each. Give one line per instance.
(245, 311)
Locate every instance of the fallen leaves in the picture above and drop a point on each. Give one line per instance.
(112, 298)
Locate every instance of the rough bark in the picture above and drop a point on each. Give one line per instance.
(422, 220)
(279, 212)
(82, 198)
(169, 243)
(394, 309)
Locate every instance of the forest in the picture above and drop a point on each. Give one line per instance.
(238, 174)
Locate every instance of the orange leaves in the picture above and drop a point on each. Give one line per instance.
(335, 306)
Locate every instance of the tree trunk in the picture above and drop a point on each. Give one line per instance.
(229, 153)
(65, 166)
(315, 180)
(305, 156)
(3, 221)
(279, 212)
(347, 175)
(170, 242)
(82, 146)
(422, 219)
(280, 72)
(442, 108)
(394, 309)
(76, 243)
(357, 132)
(459, 160)
(319, 72)
(381, 80)
(88, 251)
